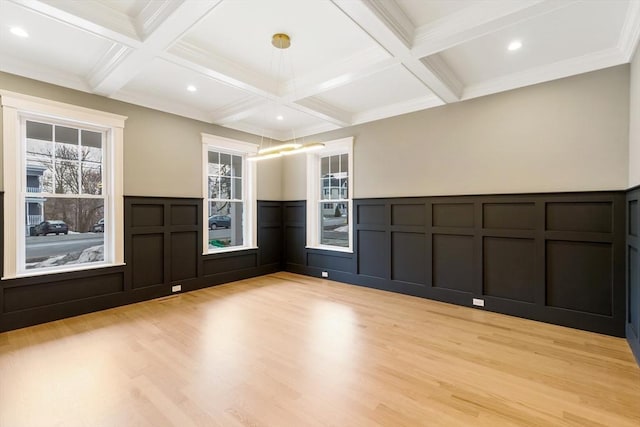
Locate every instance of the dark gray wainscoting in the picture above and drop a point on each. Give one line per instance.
(163, 247)
(633, 271)
(558, 258)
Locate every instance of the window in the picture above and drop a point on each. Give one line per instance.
(329, 192)
(229, 195)
(66, 186)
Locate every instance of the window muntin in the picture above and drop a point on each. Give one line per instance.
(63, 196)
(334, 200)
(329, 192)
(225, 200)
(102, 134)
(228, 190)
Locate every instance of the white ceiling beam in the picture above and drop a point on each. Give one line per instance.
(182, 17)
(476, 20)
(105, 25)
(383, 22)
(630, 34)
(239, 110)
(365, 63)
(322, 110)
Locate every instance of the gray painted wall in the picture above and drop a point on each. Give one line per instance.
(565, 135)
(634, 122)
(162, 151)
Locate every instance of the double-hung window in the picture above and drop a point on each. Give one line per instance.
(63, 187)
(229, 195)
(329, 193)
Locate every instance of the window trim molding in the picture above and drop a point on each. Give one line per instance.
(249, 191)
(15, 107)
(338, 146)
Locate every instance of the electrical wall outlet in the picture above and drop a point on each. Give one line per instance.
(479, 302)
(325, 274)
(176, 288)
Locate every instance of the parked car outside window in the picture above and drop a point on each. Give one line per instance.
(51, 226)
(98, 227)
(219, 221)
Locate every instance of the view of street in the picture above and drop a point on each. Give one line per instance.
(42, 247)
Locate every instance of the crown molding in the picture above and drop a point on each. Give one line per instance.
(171, 107)
(238, 110)
(573, 66)
(439, 67)
(31, 71)
(397, 109)
(202, 61)
(394, 18)
(96, 19)
(630, 33)
(324, 111)
(477, 20)
(363, 64)
(153, 14)
(109, 61)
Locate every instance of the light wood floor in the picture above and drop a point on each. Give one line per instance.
(289, 350)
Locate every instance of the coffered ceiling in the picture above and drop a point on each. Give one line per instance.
(350, 61)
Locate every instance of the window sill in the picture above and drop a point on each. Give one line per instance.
(227, 250)
(330, 248)
(47, 272)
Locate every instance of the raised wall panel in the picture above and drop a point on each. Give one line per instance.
(56, 292)
(329, 262)
(295, 242)
(271, 245)
(370, 214)
(372, 253)
(514, 216)
(580, 216)
(408, 214)
(408, 257)
(270, 214)
(509, 268)
(294, 214)
(184, 214)
(453, 215)
(633, 218)
(633, 303)
(229, 263)
(147, 215)
(579, 276)
(147, 260)
(184, 255)
(453, 262)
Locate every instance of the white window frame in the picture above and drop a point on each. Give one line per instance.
(16, 108)
(249, 183)
(338, 146)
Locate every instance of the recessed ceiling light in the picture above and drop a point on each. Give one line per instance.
(515, 45)
(192, 88)
(279, 117)
(20, 32)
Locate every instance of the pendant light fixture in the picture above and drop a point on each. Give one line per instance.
(282, 41)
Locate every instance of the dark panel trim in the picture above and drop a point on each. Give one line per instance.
(632, 257)
(371, 266)
(48, 304)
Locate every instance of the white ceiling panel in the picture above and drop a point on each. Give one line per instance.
(388, 87)
(169, 82)
(265, 120)
(350, 61)
(422, 12)
(240, 32)
(573, 31)
(131, 8)
(51, 44)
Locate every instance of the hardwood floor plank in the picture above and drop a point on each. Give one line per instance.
(290, 350)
